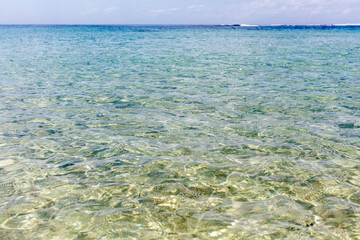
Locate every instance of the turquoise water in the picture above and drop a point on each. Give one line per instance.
(179, 132)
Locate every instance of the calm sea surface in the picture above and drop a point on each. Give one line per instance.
(179, 132)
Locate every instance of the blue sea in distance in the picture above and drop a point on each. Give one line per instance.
(179, 132)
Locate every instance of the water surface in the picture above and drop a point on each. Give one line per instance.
(179, 132)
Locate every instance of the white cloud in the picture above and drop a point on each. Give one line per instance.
(192, 11)
(290, 11)
(196, 7)
(111, 9)
(165, 11)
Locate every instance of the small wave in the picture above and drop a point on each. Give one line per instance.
(346, 24)
(248, 25)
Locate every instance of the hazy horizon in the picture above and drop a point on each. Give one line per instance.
(177, 24)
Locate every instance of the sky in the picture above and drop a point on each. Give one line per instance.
(179, 11)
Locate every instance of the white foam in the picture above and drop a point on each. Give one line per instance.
(248, 25)
(347, 24)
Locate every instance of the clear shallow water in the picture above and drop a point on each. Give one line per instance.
(177, 132)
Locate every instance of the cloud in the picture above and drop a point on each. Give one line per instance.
(111, 9)
(289, 11)
(196, 7)
(165, 11)
(184, 11)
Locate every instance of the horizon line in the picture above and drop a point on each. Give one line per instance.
(177, 24)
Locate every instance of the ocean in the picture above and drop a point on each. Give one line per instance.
(179, 132)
